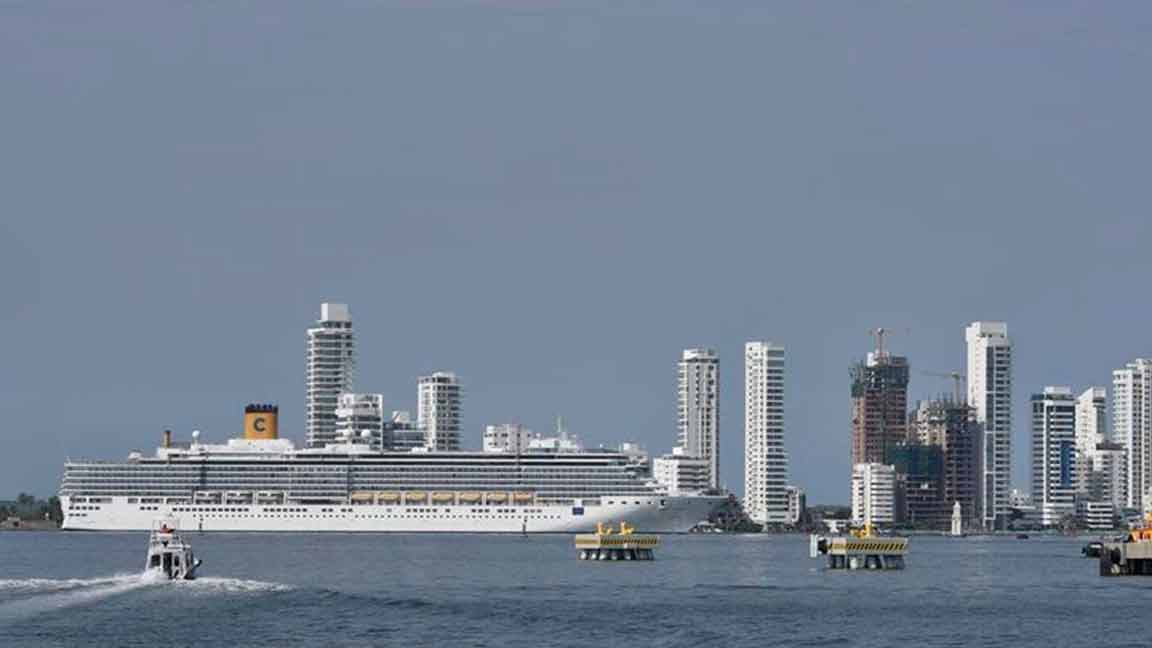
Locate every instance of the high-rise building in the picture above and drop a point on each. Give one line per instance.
(873, 493)
(438, 410)
(919, 484)
(360, 418)
(699, 409)
(765, 459)
(506, 437)
(331, 363)
(879, 406)
(1054, 454)
(953, 427)
(990, 393)
(1132, 427)
(1091, 431)
(1107, 482)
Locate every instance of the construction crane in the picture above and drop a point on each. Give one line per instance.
(957, 377)
(879, 333)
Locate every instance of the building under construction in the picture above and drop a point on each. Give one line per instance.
(951, 426)
(879, 405)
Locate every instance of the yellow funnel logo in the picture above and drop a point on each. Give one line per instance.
(260, 422)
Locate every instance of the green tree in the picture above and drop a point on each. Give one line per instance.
(55, 512)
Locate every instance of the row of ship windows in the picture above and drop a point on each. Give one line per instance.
(225, 509)
(402, 517)
(593, 471)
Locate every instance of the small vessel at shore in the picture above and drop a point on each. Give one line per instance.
(168, 554)
(1092, 549)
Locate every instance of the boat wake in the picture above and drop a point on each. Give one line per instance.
(38, 595)
(44, 585)
(213, 585)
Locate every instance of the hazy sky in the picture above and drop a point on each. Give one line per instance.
(553, 200)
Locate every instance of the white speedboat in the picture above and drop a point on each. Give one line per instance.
(168, 554)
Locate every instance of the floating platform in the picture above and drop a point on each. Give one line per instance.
(860, 552)
(1131, 557)
(1126, 559)
(625, 545)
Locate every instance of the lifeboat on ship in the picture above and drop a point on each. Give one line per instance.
(443, 498)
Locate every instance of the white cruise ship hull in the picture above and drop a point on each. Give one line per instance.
(652, 514)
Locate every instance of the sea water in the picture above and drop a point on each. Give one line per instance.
(256, 589)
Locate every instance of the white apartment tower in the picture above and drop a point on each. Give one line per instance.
(765, 459)
(699, 409)
(1091, 431)
(438, 410)
(990, 393)
(331, 364)
(1132, 427)
(873, 493)
(1054, 454)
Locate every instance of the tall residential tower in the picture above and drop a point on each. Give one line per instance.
(1132, 427)
(765, 459)
(1054, 454)
(990, 393)
(699, 409)
(331, 362)
(438, 410)
(1091, 431)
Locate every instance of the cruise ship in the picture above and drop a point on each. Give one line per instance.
(267, 484)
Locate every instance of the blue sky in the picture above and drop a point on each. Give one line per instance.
(553, 200)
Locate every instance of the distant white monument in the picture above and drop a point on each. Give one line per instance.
(957, 521)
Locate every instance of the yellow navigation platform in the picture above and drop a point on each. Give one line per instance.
(622, 545)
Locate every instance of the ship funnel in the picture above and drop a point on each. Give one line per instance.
(260, 421)
(167, 438)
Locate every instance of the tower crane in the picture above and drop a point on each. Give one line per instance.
(957, 377)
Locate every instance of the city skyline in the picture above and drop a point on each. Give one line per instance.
(730, 434)
(471, 436)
